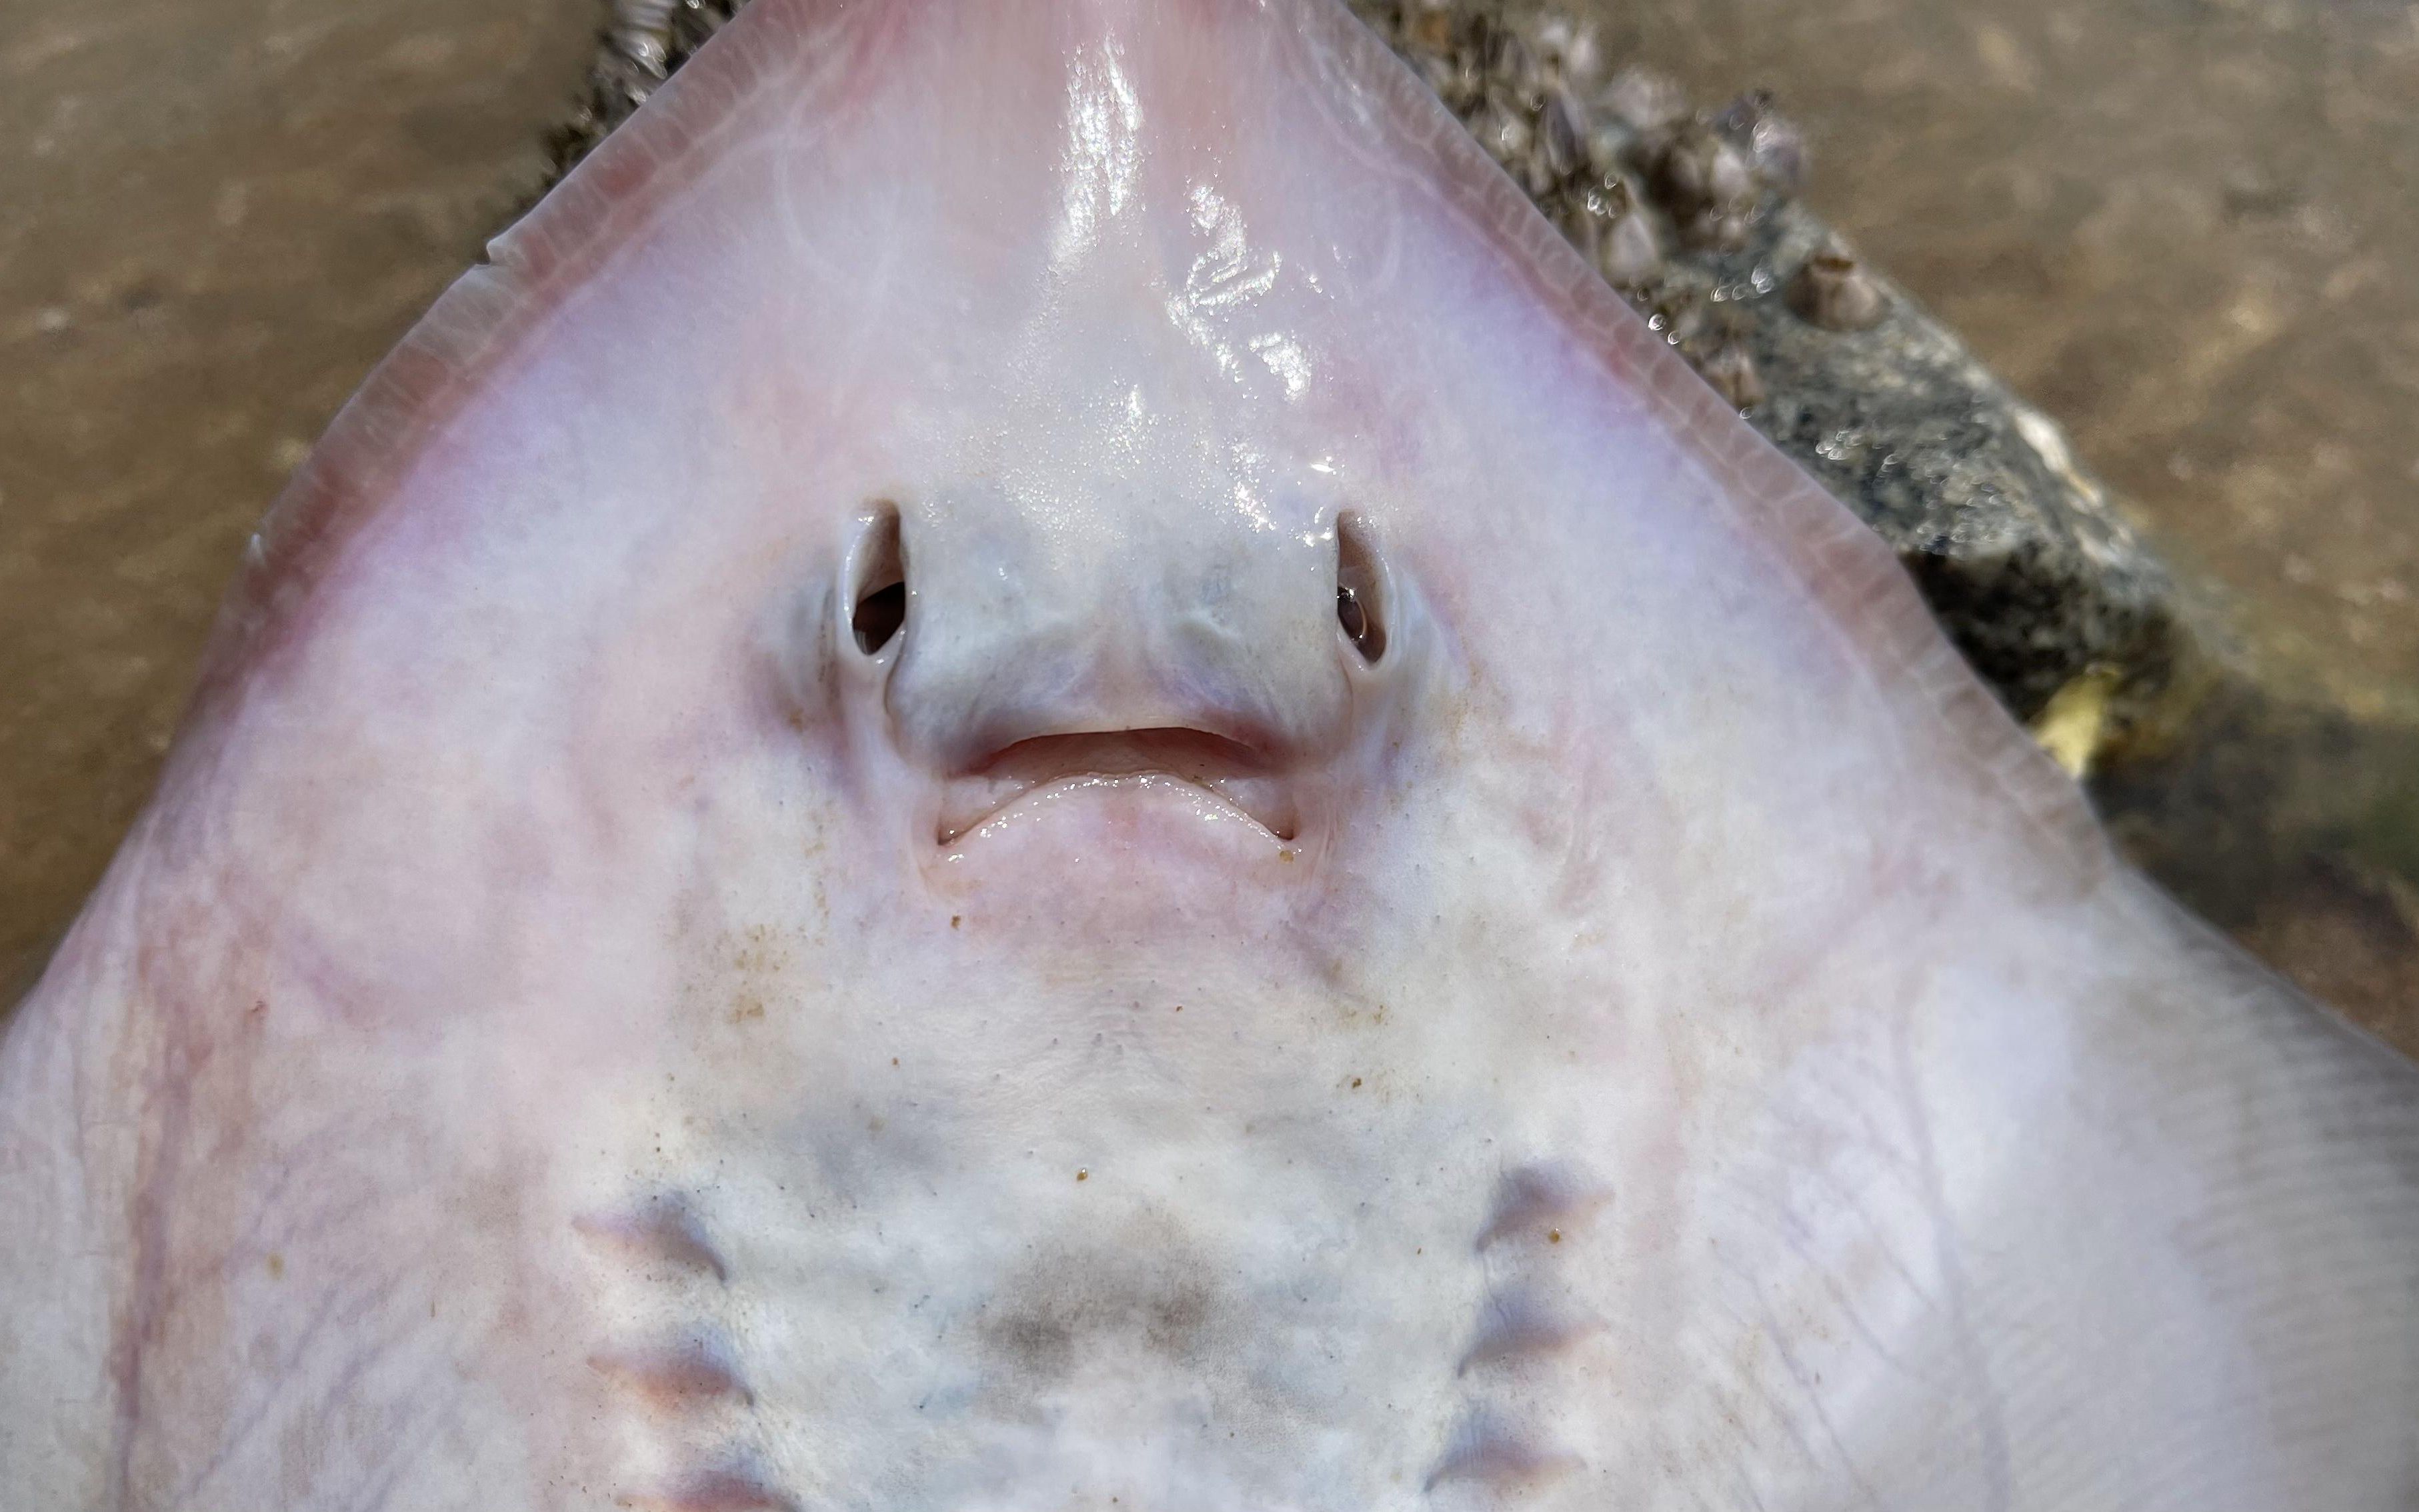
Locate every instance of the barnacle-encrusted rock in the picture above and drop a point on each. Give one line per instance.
(645, 41)
(1694, 215)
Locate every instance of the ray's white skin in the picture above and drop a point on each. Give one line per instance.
(566, 1033)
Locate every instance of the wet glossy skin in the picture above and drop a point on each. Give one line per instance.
(592, 1019)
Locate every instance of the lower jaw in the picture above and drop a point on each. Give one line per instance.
(971, 809)
(1134, 855)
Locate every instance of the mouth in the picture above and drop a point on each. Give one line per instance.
(1226, 770)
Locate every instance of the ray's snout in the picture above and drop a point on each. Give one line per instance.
(1003, 648)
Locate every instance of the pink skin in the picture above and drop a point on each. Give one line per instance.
(574, 1030)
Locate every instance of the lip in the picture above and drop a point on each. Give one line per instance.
(1228, 771)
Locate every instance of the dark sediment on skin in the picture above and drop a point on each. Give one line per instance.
(2260, 807)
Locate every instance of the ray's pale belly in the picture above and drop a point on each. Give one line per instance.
(961, 1314)
(1141, 1247)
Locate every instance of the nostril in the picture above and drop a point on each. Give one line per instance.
(1350, 614)
(879, 616)
(1360, 590)
(881, 585)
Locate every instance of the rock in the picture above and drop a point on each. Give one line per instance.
(645, 41)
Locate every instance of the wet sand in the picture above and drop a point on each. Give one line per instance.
(215, 215)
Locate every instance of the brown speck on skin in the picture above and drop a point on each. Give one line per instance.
(1356, 1082)
(955, 920)
(1083, 1173)
(1285, 854)
(1553, 1236)
(276, 1267)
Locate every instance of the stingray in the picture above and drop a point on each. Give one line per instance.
(1035, 765)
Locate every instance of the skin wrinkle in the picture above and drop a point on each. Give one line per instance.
(1794, 1224)
(348, 1306)
(1846, 1304)
(1766, 1391)
(399, 1460)
(1811, 1401)
(239, 1430)
(1990, 1424)
(334, 1405)
(142, 1313)
(1874, 1145)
